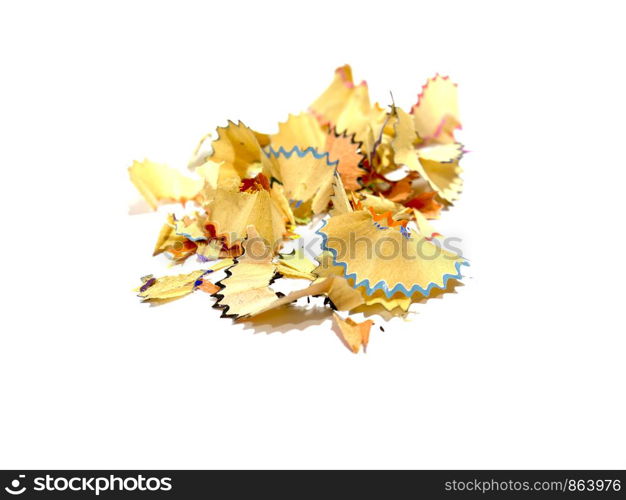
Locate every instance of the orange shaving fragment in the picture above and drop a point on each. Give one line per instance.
(354, 334)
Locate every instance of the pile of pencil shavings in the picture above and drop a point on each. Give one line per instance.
(354, 171)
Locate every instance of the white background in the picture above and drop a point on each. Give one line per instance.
(522, 368)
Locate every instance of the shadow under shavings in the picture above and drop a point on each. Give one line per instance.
(287, 318)
(139, 207)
